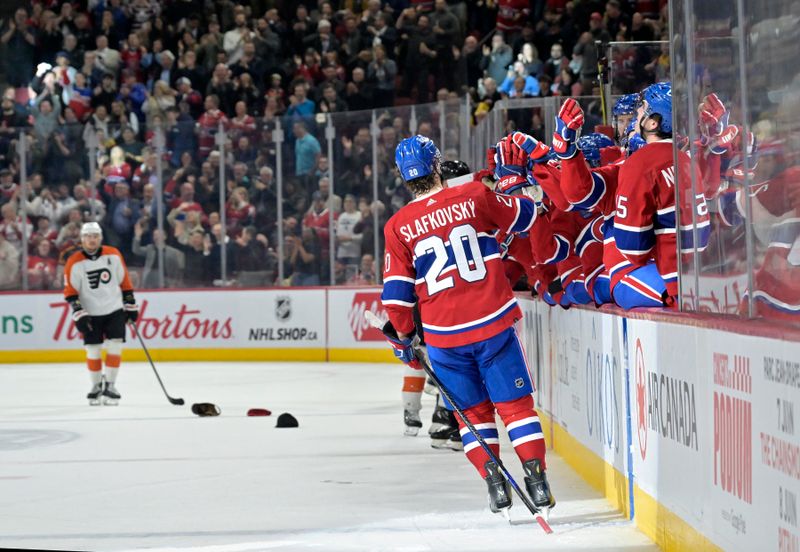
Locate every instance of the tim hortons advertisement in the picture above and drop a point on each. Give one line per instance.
(179, 319)
(347, 327)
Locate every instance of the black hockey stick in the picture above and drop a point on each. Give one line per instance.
(172, 400)
(376, 322)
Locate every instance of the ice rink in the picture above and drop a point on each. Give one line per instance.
(146, 474)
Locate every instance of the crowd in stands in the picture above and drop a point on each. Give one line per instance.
(105, 80)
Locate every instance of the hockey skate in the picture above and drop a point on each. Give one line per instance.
(94, 394)
(111, 396)
(430, 387)
(447, 435)
(441, 419)
(412, 422)
(538, 487)
(499, 489)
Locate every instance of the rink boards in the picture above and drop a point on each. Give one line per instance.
(686, 427)
(298, 324)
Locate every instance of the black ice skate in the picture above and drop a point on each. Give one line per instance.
(94, 394)
(499, 489)
(538, 487)
(447, 436)
(413, 423)
(111, 396)
(441, 419)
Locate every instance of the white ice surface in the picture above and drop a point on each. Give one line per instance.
(147, 474)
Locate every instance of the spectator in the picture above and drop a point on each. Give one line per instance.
(120, 120)
(556, 61)
(446, 30)
(324, 188)
(8, 188)
(245, 91)
(497, 58)
(174, 261)
(299, 103)
(196, 256)
(471, 57)
(530, 59)
(9, 264)
(221, 86)
(239, 211)
(20, 41)
(208, 125)
(235, 39)
(250, 64)
(42, 266)
(122, 213)
(306, 149)
(254, 263)
(349, 243)
(131, 56)
(161, 100)
(106, 59)
(12, 225)
(420, 43)
(330, 102)
(190, 96)
(217, 242)
(242, 124)
(366, 226)
(530, 86)
(359, 92)
(304, 258)
(318, 218)
(105, 93)
(382, 71)
(366, 272)
(381, 34)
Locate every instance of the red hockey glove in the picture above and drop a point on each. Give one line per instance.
(568, 122)
(510, 159)
(536, 150)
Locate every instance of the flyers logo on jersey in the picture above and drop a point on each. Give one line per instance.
(97, 277)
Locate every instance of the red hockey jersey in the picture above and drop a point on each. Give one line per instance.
(441, 252)
(645, 220)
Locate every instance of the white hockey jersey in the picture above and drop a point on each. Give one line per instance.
(97, 281)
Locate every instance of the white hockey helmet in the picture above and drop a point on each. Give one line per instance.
(91, 228)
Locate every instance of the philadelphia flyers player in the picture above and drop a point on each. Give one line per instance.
(441, 253)
(97, 287)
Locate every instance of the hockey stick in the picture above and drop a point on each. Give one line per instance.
(376, 322)
(172, 400)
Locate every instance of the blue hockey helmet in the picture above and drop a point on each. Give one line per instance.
(591, 144)
(632, 142)
(416, 157)
(625, 105)
(659, 102)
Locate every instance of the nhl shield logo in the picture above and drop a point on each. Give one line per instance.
(283, 308)
(519, 382)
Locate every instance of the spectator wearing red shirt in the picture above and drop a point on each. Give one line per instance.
(239, 212)
(208, 124)
(117, 170)
(42, 265)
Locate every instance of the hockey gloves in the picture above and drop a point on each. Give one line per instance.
(509, 159)
(130, 306)
(568, 123)
(717, 133)
(404, 348)
(83, 323)
(536, 150)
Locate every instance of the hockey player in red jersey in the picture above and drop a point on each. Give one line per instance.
(442, 255)
(642, 267)
(645, 222)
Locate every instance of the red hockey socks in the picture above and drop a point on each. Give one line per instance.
(482, 417)
(524, 429)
